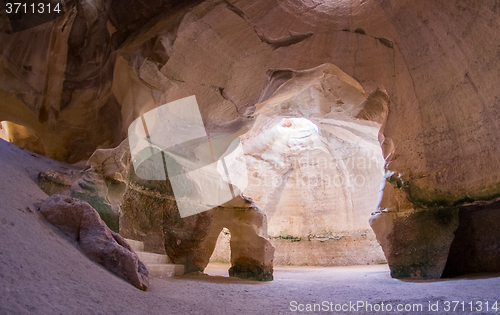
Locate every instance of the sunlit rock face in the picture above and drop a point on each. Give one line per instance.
(438, 71)
(314, 168)
(22, 136)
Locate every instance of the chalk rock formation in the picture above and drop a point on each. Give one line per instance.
(88, 186)
(314, 159)
(78, 221)
(58, 182)
(22, 136)
(102, 183)
(104, 68)
(92, 188)
(56, 80)
(416, 240)
(251, 253)
(111, 164)
(416, 243)
(433, 242)
(150, 214)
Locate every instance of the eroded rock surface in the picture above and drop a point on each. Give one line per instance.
(150, 214)
(105, 68)
(102, 183)
(81, 223)
(56, 80)
(416, 243)
(88, 186)
(314, 159)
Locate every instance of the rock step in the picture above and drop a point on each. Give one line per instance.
(165, 270)
(152, 258)
(159, 266)
(137, 246)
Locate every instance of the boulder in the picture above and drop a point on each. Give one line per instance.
(77, 220)
(102, 183)
(64, 213)
(92, 188)
(110, 250)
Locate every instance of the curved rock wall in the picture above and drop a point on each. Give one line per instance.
(78, 81)
(437, 62)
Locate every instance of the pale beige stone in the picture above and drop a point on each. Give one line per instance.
(315, 168)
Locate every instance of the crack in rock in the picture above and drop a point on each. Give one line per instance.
(293, 38)
(384, 41)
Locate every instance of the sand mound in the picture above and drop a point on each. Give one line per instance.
(40, 271)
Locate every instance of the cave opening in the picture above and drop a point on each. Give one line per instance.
(22, 136)
(221, 256)
(318, 184)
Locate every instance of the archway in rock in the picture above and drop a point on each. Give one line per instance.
(315, 167)
(222, 251)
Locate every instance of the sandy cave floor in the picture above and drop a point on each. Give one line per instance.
(43, 273)
(310, 285)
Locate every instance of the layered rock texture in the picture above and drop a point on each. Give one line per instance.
(73, 85)
(79, 222)
(101, 183)
(416, 243)
(88, 186)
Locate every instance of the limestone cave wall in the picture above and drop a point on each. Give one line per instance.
(79, 81)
